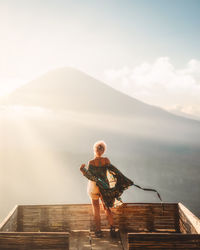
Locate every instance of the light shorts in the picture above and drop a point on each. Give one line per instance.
(93, 190)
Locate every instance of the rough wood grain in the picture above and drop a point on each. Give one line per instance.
(36, 241)
(9, 224)
(124, 239)
(163, 241)
(131, 217)
(140, 226)
(106, 242)
(189, 223)
(80, 240)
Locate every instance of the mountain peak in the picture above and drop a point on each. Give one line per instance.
(70, 89)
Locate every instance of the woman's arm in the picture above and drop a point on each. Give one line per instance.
(82, 168)
(89, 175)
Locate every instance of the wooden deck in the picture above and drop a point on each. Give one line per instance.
(36, 240)
(71, 226)
(86, 240)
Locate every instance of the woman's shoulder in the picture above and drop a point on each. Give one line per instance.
(95, 162)
(91, 162)
(107, 161)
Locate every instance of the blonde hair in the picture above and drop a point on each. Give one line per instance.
(99, 144)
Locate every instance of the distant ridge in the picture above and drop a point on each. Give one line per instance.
(71, 89)
(154, 148)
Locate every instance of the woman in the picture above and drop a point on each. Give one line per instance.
(99, 186)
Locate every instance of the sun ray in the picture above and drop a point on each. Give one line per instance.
(28, 160)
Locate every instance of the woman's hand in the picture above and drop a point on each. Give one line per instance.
(82, 166)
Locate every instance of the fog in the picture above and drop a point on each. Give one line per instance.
(41, 151)
(48, 128)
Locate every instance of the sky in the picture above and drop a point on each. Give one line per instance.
(148, 49)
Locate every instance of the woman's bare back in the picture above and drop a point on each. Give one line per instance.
(99, 161)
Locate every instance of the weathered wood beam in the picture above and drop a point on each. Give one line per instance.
(10, 222)
(189, 223)
(62, 218)
(36, 240)
(153, 241)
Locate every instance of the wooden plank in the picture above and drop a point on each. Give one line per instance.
(163, 241)
(189, 223)
(124, 239)
(36, 241)
(10, 222)
(80, 240)
(130, 217)
(56, 218)
(106, 242)
(20, 219)
(80, 217)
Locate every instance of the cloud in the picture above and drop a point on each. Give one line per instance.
(192, 111)
(8, 84)
(160, 83)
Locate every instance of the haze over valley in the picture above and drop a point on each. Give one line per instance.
(48, 128)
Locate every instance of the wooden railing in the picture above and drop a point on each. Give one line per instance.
(188, 238)
(163, 241)
(132, 217)
(36, 240)
(141, 226)
(189, 223)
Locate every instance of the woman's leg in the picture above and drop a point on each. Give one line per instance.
(109, 216)
(96, 212)
(108, 213)
(110, 220)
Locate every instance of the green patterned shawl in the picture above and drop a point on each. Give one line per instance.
(99, 175)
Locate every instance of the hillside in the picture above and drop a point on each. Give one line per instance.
(70, 89)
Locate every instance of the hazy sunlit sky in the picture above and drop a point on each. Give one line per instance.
(146, 48)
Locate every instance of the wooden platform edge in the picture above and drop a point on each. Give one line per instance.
(34, 240)
(191, 217)
(89, 204)
(8, 217)
(163, 241)
(34, 233)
